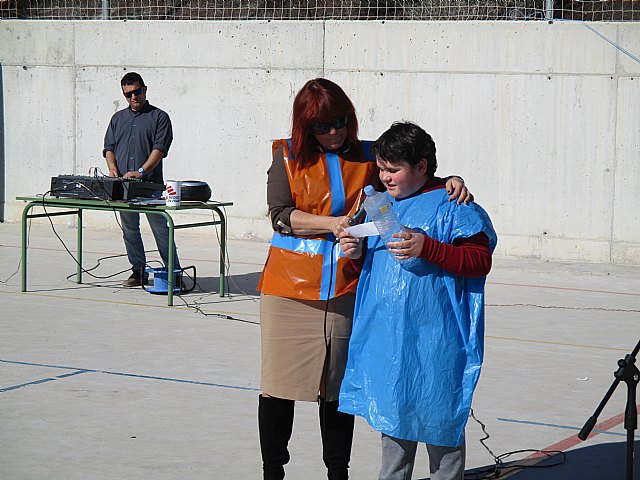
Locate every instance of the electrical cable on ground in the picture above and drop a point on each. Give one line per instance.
(561, 307)
(500, 468)
(64, 244)
(195, 306)
(19, 261)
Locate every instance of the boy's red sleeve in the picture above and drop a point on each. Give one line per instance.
(467, 257)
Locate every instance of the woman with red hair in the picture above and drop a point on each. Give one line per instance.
(308, 287)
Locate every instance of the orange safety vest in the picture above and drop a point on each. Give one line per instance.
(313, 267)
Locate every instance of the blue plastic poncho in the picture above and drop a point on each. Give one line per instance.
(417, 342)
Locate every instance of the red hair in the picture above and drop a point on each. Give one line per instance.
(320, 100)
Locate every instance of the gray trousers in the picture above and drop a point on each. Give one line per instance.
(398, 457)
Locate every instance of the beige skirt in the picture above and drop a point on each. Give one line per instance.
(296, 346)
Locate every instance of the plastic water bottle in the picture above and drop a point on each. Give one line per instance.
(379, 209)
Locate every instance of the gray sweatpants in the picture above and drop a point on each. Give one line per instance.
(398, 457)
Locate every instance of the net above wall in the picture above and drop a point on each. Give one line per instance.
(612, 10)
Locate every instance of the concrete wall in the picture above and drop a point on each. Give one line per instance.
(541, 119)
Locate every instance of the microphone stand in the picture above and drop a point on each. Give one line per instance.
(628, 373)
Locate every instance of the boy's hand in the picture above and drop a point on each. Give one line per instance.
(409, 245)
(351, 246)
(457, 190)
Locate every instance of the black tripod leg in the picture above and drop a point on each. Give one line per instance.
(631, 415)
(628, 373)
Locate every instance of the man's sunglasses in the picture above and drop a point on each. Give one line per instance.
(137, 92)
(325, 127)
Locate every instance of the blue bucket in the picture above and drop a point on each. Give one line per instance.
(160, 282)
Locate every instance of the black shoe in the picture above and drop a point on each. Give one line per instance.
(135, 280)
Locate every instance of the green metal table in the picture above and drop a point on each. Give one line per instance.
(77, 205)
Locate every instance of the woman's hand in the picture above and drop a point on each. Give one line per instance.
(457, 190)
(409, 245)
(338, 224)
(303, 223)
(351, 246)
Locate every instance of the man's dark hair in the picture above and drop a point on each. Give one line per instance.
(406, 142)
(132, 78)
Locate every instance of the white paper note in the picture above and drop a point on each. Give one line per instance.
(363, 230)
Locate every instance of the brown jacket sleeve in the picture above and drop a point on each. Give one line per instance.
(279, 197)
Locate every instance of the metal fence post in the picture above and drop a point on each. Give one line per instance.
(548, 9)
(105, 10)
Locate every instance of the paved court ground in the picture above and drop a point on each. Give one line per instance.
(102, 382)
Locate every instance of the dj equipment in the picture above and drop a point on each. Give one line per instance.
(104, 188)
(195, 191)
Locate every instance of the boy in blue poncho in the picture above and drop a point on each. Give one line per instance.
(417, 341)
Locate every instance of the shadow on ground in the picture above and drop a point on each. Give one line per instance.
(244, 284)
(595, 462)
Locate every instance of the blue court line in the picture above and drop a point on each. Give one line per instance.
(78, 371)
(568, 427)
(44, 380)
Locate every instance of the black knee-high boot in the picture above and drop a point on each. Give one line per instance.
(275, 422)
(337, 434)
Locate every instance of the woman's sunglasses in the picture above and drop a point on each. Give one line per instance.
(325, 127)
